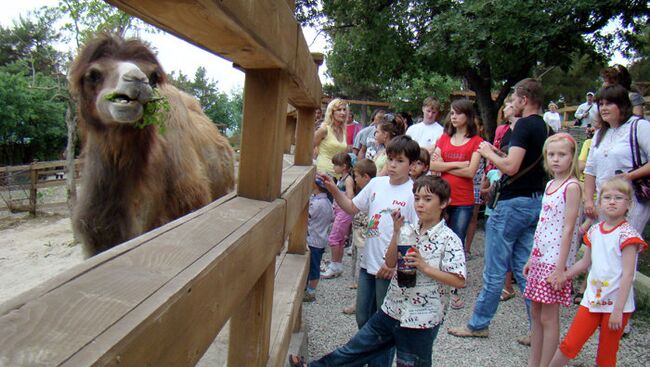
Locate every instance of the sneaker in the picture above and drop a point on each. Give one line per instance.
(524, 340)
(465, 332)
(309, 297)
(330, 273)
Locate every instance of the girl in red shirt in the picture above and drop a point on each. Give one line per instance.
(457, 159)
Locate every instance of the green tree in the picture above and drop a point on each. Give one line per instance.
(33, 91)
(491, 44)
(31, 113)
(223, 109)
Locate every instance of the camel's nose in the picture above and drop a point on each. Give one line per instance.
(135, 75)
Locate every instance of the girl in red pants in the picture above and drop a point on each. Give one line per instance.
(608, 302)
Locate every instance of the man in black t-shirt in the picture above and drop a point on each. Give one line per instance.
(509, 230)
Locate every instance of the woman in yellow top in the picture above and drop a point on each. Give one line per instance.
(329, 138)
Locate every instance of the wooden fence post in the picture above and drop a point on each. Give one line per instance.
(260, 177)
(250, 326)
(33, 191)
(289, 134)
(262, 141)
(303, 157)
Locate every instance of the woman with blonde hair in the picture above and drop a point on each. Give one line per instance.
(552, 117)
(330, 138)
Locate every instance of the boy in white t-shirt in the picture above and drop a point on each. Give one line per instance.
(378, 199)
(427, 132)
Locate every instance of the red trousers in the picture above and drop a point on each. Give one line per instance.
(583, 327)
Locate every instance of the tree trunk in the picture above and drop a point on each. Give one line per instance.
(488, 108)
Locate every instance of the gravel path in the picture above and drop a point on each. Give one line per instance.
(328, 327)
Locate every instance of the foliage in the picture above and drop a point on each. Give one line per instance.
(31, 115)
(84, 19)
(223, 109)
(490, 44)
(568, 87)
(407, 93)
(31, 40)
(32, 91)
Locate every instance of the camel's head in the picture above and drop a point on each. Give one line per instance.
(113, 79)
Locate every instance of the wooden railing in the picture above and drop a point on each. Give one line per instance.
(31, 178)
(160, 299)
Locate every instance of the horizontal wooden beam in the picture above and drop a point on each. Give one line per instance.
(326, 100)
(159, 299)
(254, 34)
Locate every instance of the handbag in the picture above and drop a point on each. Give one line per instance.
(641, 185)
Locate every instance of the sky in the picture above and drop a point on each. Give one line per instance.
(174, 54)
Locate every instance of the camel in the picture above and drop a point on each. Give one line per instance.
(137, 175)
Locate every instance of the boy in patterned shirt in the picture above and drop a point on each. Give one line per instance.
(409, 318)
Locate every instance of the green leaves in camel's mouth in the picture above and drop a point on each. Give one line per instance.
(155, 111)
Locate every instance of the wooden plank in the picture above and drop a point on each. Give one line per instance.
(62, 323)
(255, 34)
(287, 300)
(175, 325)
(250, 325)
(326, 100)
(305, 137)
(297, 196)
(106, 256)
(265, 106)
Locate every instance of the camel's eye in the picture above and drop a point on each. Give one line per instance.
(94, 76)
(154, 79)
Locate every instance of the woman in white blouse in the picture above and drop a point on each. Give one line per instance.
(611, 153)
(552, 117)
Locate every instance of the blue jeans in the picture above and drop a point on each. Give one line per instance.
(371, 292)
(459, 218)
(315, 257)
(508, 240)
(378, 335)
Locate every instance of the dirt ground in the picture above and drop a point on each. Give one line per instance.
(34, 249)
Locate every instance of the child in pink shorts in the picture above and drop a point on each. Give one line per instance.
(342, 221)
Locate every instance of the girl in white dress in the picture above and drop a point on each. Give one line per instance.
(556, 240)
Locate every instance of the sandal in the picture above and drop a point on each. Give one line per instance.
(456, 302)
(295, 361)
(578, 298)
(350, 310)
(505, 295)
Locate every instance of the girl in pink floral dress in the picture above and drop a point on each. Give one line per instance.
(556, 240)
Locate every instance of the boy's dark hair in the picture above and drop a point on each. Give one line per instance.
(435, 185)
(366, 167)
(618, 95)
(403, 144)
(425, 157)
(342, 159)
(465, 107)
(532, 89)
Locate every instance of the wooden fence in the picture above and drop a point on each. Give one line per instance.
(30, 178)
(160, 299)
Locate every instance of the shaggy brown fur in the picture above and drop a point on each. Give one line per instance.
(134, 179)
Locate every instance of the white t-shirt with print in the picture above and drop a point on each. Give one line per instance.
(378, 199)
(425, 134)
(421, 307)
(604, 280)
